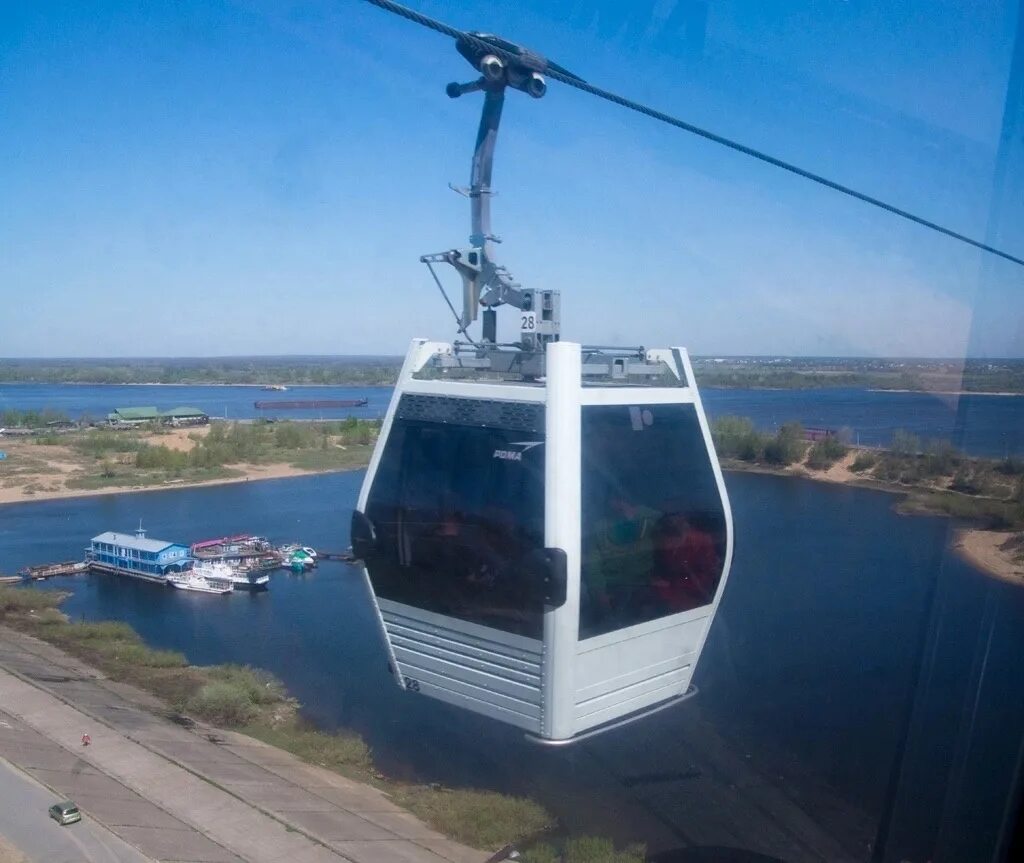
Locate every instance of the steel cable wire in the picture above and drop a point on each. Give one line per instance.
(572, 81)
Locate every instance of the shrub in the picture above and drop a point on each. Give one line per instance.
(941, 458)
(160, 458)
(904, 443)
(1011, 466)
(864, 461)
(787, 446)
(825, 453)
(223, 704)
(972, 478)
(736, 437)
(259, 686)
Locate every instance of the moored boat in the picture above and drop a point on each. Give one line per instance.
(246, 578)
(193, 580)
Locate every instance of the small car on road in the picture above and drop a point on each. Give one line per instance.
(65, 813)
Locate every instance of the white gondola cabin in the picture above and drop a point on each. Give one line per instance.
(543, 527)
(548, 552)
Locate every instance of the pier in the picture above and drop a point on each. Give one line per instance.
(51, 570)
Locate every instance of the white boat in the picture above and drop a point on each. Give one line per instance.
(305, 549)
(204, 578)
(249, 579)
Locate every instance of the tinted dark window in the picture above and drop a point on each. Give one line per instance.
(653, 523)
(459, 514)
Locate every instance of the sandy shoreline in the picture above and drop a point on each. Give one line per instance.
(55, 465)
(945, 392)
(990, 551)
(250, 473)
(987, 550)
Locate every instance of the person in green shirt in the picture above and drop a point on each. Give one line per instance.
(620, 558)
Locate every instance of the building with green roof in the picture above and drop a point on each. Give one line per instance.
(174, 416)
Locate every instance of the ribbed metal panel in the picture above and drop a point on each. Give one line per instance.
(619, 673)
(496, 674)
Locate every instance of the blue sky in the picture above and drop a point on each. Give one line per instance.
(211, 178)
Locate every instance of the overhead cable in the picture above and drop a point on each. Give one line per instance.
(572, 81)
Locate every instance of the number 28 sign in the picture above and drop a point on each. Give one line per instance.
(528, 322)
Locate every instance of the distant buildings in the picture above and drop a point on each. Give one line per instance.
(182, 416)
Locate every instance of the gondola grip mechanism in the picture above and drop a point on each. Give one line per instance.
(363, 535)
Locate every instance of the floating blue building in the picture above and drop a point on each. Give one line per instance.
(137, 555)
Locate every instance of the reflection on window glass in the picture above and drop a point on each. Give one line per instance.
(653, 523)
(459, 511)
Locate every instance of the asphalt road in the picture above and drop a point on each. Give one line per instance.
(25, 824)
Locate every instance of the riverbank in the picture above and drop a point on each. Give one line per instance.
(225, 702)
(995, 552)
(239, 473)
(944, 392)
(100, 461)
(191, 791)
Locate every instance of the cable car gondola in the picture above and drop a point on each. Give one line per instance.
(543, 526)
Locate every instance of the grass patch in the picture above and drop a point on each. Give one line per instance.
(104, 631)
(21, 600)
(140, 654)
(986, 512)
(334, 458)
(584, 849)
(341, 752)
(483, 819)
(222, 703)
(256, 703)
(864, 461)
(259, 687)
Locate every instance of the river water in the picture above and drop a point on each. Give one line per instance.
(978, 424)
(849, 644)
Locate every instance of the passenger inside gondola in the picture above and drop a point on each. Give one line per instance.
(653, 525)
(687, 560)
(620, 558)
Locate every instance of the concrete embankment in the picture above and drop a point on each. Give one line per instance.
(195, 793)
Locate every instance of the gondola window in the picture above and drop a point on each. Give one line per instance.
(654, 529)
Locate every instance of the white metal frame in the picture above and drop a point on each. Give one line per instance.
(559, 688)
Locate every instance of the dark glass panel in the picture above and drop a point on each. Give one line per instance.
(459, 515)
(653, 521)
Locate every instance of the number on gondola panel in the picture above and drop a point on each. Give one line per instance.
(412, 685)
(528, 322)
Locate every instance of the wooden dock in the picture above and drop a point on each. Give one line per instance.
(50, 570)
(343, 556)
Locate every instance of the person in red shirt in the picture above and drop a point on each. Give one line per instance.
(687, 562)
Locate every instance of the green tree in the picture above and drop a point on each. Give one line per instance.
(787, 446)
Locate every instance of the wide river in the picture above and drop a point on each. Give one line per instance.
(977, 424)
(861, 686)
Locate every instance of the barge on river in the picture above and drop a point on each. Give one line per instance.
(137, 556)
